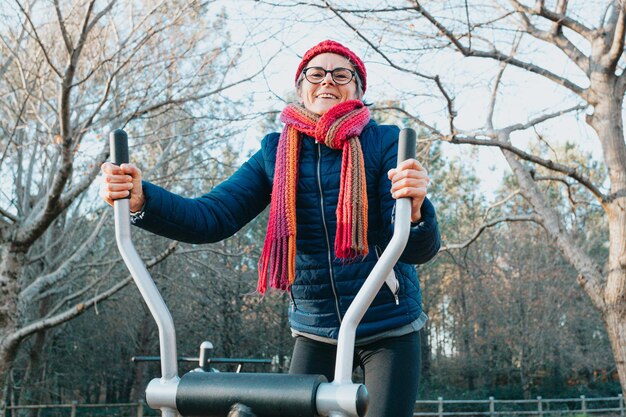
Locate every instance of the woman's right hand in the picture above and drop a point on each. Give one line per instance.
(118, 181)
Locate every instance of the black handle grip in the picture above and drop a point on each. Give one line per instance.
(118, 140)
(406, 144)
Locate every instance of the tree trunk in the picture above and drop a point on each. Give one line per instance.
(466, 343)
(606, 120)
(32, 391)
(615, 321)
(614, 313)
(524, 378)
(11, 261)
(612, 304)
(606, 287)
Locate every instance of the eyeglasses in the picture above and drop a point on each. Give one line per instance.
(315, 75)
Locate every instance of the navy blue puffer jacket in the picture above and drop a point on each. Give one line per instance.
(324, 286)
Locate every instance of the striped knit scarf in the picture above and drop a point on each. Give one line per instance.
(339, 129)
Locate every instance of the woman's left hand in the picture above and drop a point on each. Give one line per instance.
(410, 179)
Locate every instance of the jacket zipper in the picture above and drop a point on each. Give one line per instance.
(293, 301)
(330, 259)
(392, 277)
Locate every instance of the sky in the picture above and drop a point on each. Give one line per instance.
(280, 35)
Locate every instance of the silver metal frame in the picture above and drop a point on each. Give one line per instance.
(161, 392)
(335, 399)
(340, 394)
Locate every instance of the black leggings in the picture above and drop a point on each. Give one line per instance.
(391, 368)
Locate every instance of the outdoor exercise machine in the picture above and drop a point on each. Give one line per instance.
(206, 359)
(211, 394)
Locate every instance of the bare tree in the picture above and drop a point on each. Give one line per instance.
(530, 37)
(70, 73)
(502, 318)
(577, 46)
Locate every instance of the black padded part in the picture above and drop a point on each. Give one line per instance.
(362, 401)
(118, 141)
(406, 144)
(211, 394)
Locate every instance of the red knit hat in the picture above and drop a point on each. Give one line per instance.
(333, 47)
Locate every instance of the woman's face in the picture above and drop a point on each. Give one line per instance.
(319, 98)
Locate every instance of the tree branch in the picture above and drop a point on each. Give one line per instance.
(80, 308)
(37, 222)
(571, 250)
(63, 302)
(563, 181)
(617, 46)
(501, 202)
(449, 102)
(414, 118)
(559, 18)
(8, 215)
(561, 9)
(38, 40)
(8, 60)
(494, 92)
(542, 118)
(485, 226)
(47, 280)
(65, 100)
(499, 56)
(170, 101)
(341, 10)
(88, 26)
(62, 28)
(488, 139)
(594, 290)
(86, 179)
(569, 171)
(89, 120)
(555, 37)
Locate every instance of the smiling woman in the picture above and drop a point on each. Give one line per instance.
(331, 180)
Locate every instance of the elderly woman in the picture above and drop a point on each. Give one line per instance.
(330, 179)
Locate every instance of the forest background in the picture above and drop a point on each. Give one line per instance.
(519, 109)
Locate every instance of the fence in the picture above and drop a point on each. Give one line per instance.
(74, 409)
(539, 407)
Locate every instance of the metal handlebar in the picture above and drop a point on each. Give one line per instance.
(118, 140)
(371, 286)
